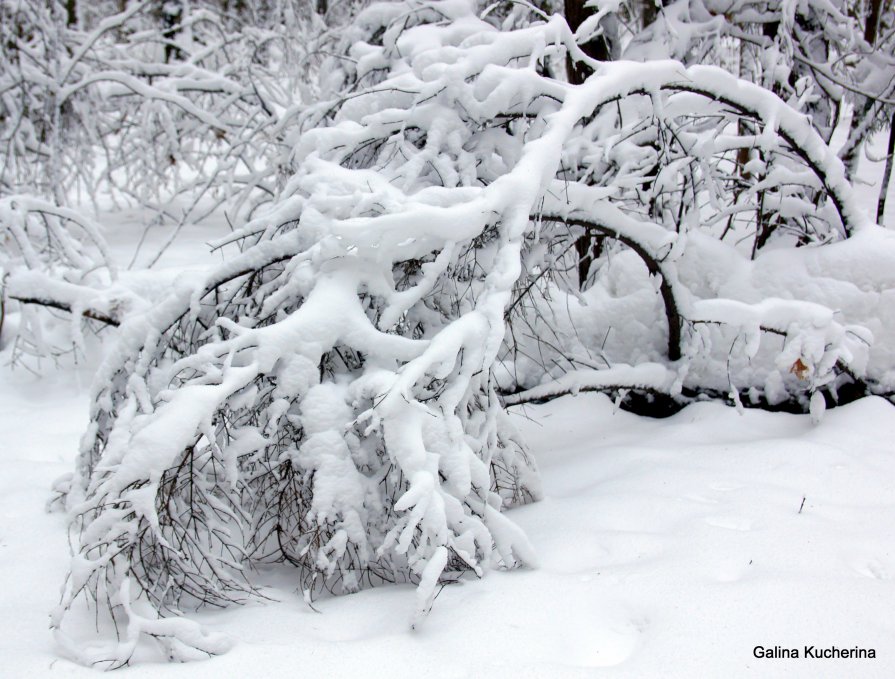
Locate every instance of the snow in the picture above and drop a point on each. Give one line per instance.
(666, 547)
(658, 547)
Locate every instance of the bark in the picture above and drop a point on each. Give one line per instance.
(865, 106)
(71, 12)
(171, 15)
(649, 12)
(92, 314)
(871, 25)
(887, 174)
(601, 48)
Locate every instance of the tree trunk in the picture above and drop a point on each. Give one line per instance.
(588, 247)
(871, 25)
(71, 13)
(887, 174)
(171, 16)
(598, 48)
(649, 12)
(865, 106)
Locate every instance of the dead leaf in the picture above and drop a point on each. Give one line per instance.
(799, 369)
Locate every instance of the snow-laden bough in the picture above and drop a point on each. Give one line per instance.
(328, 397)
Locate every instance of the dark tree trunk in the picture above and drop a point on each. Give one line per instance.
(649, 12)
(588, 247)
(71, 12)
(599, 48)
(171, 16)
(865, 106)
(887, 174)
(871, 25)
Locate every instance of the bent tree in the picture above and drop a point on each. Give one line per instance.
(329, 397)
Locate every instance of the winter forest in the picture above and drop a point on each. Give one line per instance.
(457, 338)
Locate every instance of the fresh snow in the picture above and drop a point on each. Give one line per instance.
(667, 548)
(660, 548)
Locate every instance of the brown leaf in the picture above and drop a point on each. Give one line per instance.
(799, 369)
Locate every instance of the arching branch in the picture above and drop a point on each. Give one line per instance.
(791, 126)
(653, 265)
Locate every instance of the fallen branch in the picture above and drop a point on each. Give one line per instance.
(92, 314)
(107, 305)
(651, 377)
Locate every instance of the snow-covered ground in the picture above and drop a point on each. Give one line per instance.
(668, 548)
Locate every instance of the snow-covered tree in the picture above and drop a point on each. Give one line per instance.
(816, 56)
(329, 397)
(182, 109)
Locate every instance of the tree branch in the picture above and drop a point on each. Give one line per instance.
(92, 314)
(672, 312)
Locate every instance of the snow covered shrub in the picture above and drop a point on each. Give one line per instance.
(175, 107)
(826, 59)
(53, 257)
(329, 397)
(813, 55)
(180, 108)
(129, 101)
(655, 178)
(44, 140)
